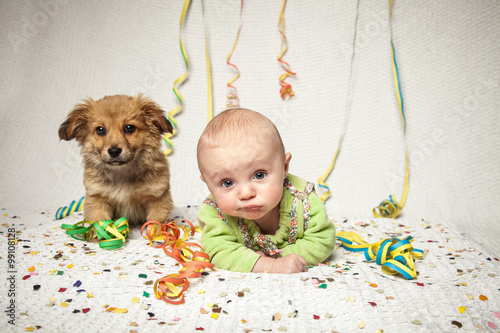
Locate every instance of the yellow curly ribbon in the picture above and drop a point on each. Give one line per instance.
(233, 100)
(171, 238)
(178, 81)
(74, 206)
(391, 208)
(286, 88)
(396, 256)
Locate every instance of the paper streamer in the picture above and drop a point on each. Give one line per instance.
(328, 171)
(286, 88)
(396, 256)
(233, 100)
(209, 75)
(110, 234)
(167, 137)
(74, 206)
(171, 238)
(392, 208)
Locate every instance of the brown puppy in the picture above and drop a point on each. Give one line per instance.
(125, 170)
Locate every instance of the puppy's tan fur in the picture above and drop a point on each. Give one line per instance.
(125, 170)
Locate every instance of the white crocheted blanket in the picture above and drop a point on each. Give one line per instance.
(54, 283)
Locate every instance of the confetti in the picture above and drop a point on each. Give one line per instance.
(350, 299)
(277, 317)
(214, 315)
(361, 325)
(456, 323)
(135, 300)
(492, 325)
(203, 311)
(31, 269)
(416, 322)
(316, 317)
(462, 309)
(483, 298)
(496, 314)
(372, 303)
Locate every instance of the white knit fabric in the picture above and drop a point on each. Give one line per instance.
(53, 53)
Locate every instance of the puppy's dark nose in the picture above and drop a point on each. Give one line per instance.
(114, 152)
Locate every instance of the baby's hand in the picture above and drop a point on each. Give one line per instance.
(291, 263)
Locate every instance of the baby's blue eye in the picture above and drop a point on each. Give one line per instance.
(227, 183)
(259, 175)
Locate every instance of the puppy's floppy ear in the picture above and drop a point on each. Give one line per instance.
(75, 125)
(154, 116)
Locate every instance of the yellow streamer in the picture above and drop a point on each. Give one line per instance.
(209, 75)
(167, 137)
(286, 88)
(232, 96)
(328, 171)
(392, 208)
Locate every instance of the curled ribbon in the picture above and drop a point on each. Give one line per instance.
(178, 81)
(232, 96)
(110, 234)
(391, 208)
(171, 239)
(74, 206)
(396, 256)
(286, 88)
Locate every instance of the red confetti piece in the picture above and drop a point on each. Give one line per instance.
(200, 329)
(85, 310)
(372, 303)
(420, 284)
(315, 317)
(61, 290)
(26, 277)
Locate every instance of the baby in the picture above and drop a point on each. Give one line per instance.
(258, 217)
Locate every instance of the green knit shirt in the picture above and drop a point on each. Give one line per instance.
(224, 243)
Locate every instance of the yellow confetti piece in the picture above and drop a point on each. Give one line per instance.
(210, 305)
(243, 321)
(64, 304)
(135, 300)
(31, 269)
(463, 284)
(201, 291)
(469, 296)
(89, 295)
(32, 253)
(462, 309)
(416, 322)
(71, 266)
(31, 328)
(214, 315)
(350, 299)
(120, 311)
(373, 285)
(361, 324)
(483, 298)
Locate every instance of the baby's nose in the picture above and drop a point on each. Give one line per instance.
(246, 192)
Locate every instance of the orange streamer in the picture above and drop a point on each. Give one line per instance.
(171, 239)
(286, 88)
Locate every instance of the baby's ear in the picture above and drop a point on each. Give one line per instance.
(154, 115)
(75, 125)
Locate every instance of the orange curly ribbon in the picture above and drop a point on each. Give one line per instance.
(171, 239)
(286, 88)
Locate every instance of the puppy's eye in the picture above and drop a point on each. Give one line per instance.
(129, 129)
(101, 131)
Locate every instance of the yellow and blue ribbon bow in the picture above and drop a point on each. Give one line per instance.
(396, 256)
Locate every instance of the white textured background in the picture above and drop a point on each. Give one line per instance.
(54, 53)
